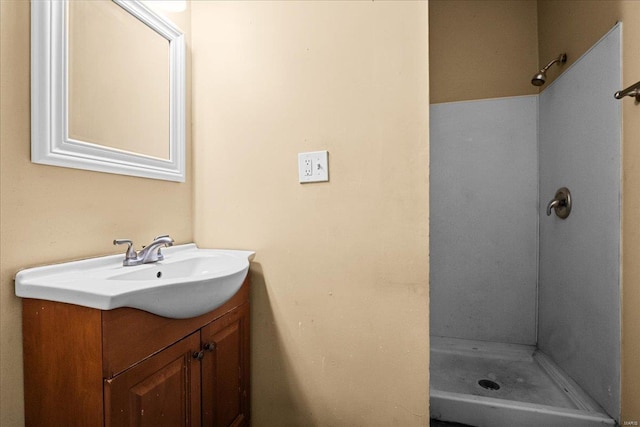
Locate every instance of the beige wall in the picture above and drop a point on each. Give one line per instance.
(50, 214)
(482, 49)
(573, 27)
(340, 280)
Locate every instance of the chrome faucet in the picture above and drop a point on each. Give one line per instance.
(148, 254)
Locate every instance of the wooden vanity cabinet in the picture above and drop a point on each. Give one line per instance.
(126, 367)
(225, 391)
(158, 391)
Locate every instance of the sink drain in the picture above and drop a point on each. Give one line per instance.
(489, 385)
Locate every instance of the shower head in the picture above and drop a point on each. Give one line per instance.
(541, 76)
(539, 79)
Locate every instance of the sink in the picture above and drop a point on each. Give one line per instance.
(189, 281)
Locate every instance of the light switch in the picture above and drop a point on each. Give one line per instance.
(313, 166)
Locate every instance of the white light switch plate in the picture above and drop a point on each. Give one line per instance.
(313, 166)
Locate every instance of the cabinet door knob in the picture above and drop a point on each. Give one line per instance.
(198, 355)
(210, 346)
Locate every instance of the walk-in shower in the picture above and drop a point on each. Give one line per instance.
(525, 306)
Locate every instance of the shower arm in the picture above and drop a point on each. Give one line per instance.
(562, 59)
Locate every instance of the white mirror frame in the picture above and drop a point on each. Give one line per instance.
(50, 142)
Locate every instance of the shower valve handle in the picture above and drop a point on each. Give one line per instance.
(561, 203)
(552, 204)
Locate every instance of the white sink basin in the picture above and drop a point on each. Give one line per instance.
(189, 282)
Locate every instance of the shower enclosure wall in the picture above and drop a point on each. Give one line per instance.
(519, 298)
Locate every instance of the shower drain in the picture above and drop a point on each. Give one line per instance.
(489, 385)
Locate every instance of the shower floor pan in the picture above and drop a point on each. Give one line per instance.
(487, 384)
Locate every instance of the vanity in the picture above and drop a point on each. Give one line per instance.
(160, 338)
(106, 363)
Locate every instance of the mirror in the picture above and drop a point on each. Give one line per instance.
(107, 88)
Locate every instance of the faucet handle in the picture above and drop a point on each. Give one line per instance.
(159, 254)
(131, 253)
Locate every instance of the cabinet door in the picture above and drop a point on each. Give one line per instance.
(163, 390)
(225, 370)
